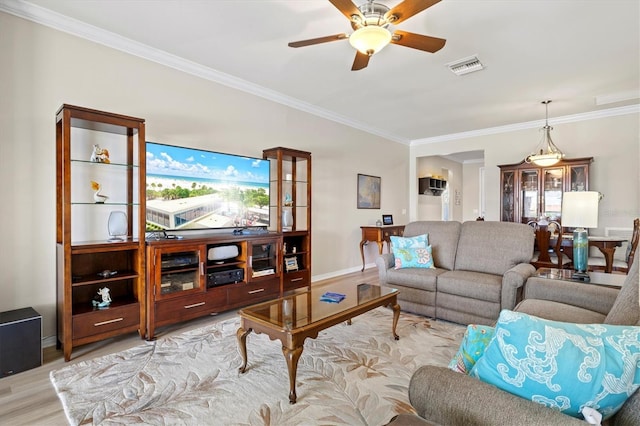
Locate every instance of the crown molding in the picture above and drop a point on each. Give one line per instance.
(611, 112)
(92, 33)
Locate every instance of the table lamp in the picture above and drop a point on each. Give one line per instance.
(580, 210)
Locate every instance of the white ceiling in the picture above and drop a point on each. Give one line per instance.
(570, 51)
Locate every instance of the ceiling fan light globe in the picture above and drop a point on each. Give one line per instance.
(370, 39)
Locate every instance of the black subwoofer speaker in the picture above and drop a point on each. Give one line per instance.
(20, 341)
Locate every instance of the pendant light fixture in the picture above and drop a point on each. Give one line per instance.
(548, 153)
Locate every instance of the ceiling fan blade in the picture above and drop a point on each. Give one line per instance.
(407, 9)
(417, 41)
(361, 61)
(318, 40)
(347, 8)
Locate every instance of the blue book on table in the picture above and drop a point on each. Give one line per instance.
(332, 297)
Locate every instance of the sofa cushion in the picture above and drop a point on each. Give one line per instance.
(443, 239)
(420, 278)
(557, 311)
(474, 285)
(493, 247)
(475, 341)
(565, 366)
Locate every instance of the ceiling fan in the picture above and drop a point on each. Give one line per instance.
(372, 24)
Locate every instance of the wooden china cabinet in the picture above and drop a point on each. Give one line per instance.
(290, 212)
(100, 175)
(528, 192)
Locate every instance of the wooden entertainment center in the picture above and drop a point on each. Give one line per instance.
(183, 282)
(102, 243)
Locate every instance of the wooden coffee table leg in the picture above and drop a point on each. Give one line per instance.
(292, 356)
(396, 316)
(242, 344)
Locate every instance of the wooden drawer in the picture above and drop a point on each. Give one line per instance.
(395, 231)
(297, 279)
(179, 309)
(102, 321)
(246, 294)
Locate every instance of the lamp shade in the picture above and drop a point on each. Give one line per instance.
(370, 39)
(580, 209)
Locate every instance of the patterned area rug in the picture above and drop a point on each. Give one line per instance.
(349, 375)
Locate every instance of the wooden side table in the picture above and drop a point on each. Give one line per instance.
(379, 235)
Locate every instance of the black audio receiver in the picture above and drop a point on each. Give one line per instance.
(226, 276)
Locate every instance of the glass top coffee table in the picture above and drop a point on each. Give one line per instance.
(293, 318)
(596, 278)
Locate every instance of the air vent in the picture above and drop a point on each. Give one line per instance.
(466, 65)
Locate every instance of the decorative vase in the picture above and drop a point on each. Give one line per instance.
(117, 226)
(580, 253)
(287, 219)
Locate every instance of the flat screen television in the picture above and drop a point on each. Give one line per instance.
(193, 189)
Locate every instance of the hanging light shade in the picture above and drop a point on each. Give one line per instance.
(548, 153)
(370, 39)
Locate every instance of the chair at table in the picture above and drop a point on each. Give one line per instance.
(597, 263)
(548, 245)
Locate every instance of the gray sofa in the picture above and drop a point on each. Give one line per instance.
(441, 396)
(480, 269)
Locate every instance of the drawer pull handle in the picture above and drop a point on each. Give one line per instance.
(260, 290)
(98, 324)
(296, 279)
(195, 305)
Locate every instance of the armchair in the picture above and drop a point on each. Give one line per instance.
(442, 396)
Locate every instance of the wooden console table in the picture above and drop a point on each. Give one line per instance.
(378, 234)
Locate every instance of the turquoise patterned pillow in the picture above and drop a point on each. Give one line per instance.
(418, 241)
(473, 345)
(413, 252)
(563, 366)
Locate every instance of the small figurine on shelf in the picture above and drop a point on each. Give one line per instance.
(97, 197)
(288, 201)
(103, 299)
(284, 247)
(100, 155)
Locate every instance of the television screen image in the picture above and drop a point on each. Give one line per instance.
(189, 189)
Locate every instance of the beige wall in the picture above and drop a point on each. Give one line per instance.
(471, 207)
(613, 141)
(42, 68)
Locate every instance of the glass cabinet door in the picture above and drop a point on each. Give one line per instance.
(529, 196)
(507, 200)
(553, 184)
(263, 258)
(578, 178)
(180, 273)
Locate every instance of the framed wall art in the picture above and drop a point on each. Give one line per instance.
(369, 191)
(387, 219)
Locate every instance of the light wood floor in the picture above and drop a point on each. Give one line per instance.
(28, 398)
